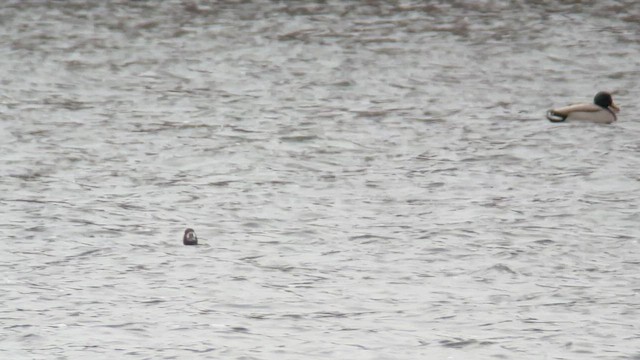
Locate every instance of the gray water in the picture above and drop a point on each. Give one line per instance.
(369, 180)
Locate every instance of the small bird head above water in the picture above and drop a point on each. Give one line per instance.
(190, 237)
(603, 99)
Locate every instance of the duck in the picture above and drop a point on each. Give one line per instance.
(603, 111)
(190, 237)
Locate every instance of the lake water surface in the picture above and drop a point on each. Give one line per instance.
(368, 179)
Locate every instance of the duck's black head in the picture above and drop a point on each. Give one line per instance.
(190, 237)
(603, 99)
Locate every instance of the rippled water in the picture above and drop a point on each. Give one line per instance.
(370, 180)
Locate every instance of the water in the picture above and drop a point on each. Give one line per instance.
(369, 180)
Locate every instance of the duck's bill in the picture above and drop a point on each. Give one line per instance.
(614, 107)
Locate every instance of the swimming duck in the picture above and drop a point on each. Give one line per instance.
(603, 110)
(190, 237)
